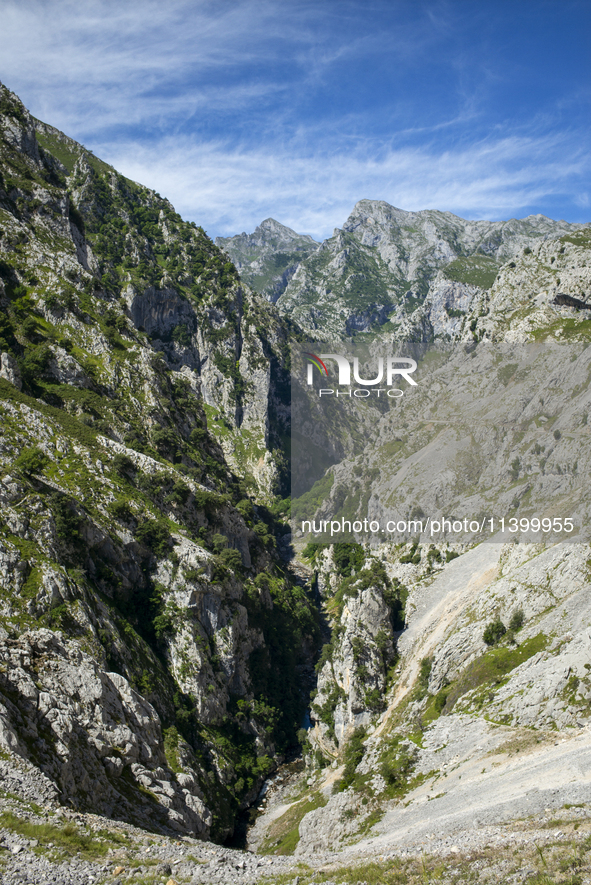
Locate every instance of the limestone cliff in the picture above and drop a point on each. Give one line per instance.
(150, 634)
(376, 272)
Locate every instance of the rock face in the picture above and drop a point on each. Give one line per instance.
(151, 638)
(268, 258)
(9, 370)
(484, 728)
(96, 738)
(354, 667)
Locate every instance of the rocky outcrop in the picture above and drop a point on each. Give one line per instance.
(92, 735)
(354, 667)
(9, 370)
(158, 311)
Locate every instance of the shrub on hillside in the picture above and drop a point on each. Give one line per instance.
(31, 461)
(154, 534)
(517, 620)
(494, 632)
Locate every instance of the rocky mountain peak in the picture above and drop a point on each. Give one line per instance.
(268, 257)
(286, 234)
(383, 263)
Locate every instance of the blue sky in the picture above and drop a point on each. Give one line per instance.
(239, 110)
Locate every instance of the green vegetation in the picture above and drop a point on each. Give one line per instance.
(352, 756)
(67, 840)
(581, 238)
(284, 835)
(506, 373)
(325, 711)
(424, 674)
(347, 557)
(31, 461)
(273, 666)
(494, 632)
(373, 574)
(491, 669)
(307, 504)
(311, 551)
(517, 620)
(477, 270)
(414, 554)
(398, 760)
(454, 312)
(153, 534)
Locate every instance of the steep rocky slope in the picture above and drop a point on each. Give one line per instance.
(473, 729)
(150, 636)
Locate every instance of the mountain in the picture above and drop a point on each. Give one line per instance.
(149, 628)
(441, 655)
(385, 262)
(170, 670)
(269, 257)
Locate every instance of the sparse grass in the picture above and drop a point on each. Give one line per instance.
(284, 833)
(478, 270)
(492, 668)
(68, 839)
(63, 150)
(533, 860)
(576, 328)
(523, 739)
(581, 238)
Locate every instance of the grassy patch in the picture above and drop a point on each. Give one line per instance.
(492, 667)
(69, 840)
(478, 270)
(284, 833)
(63, 150)
(580, 238)
(568, 328)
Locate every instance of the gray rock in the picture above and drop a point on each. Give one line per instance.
(9, 370)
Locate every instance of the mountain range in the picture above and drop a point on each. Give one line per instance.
(381, 266)
(178, 670)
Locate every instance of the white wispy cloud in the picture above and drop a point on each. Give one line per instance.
(494, 178)
(201, 99)
(104, 64)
